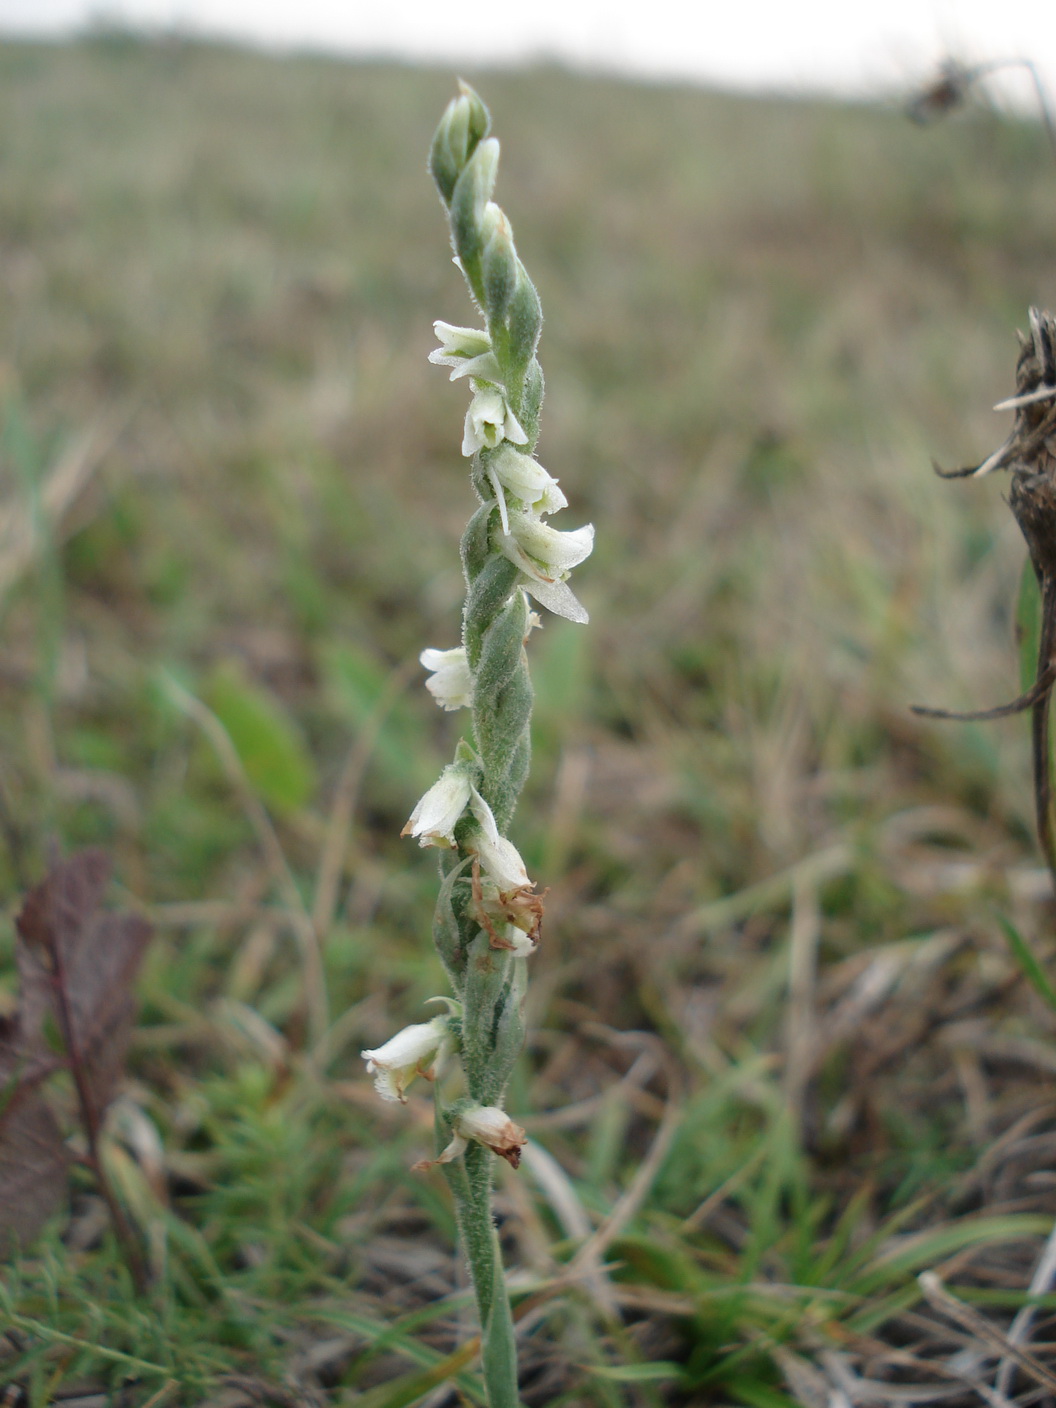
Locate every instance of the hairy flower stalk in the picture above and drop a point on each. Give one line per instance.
(488, 915)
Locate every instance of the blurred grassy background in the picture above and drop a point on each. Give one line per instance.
(774, 1007)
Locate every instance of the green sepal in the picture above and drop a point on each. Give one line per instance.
(518, 765)
(446, 156)
(450, 919)
(488, 591)
(505, 745)
(476, 540)
(471, 194)
(531, 404)
(485, 492)
(525, 322)
(493, 1031)
(502, 708)
(479, 117)
(501, 269)
(502, 649)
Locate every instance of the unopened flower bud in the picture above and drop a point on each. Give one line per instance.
(464, 123)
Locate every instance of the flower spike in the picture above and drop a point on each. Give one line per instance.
(488, 916)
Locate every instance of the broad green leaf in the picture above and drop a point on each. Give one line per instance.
(267, 741)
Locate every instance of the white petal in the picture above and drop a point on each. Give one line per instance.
(513, 429)
(555, 549)
(484, 420)
(547, 589)
(405, 1055)
(450, 682)
(485, 817)
(500, 499)
(486, 367)
(408, 1046)
(559, 598)
(437, 814)
(527, 480)
(500, 859)
(463, 342)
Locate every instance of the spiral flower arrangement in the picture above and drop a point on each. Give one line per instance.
(488, 915)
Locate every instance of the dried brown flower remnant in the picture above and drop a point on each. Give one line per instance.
(954, 84)
(947, 90)
(1030, 453)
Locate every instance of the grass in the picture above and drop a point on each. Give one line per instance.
(783, 1056)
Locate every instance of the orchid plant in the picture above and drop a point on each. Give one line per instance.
(488, 915)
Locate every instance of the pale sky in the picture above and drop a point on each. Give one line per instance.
(835, 45)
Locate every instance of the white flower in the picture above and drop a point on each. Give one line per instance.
(527, 480)
(552, 554)
(489, 420)
(411, 1052)
(435, 817)
(524, 478)
(499, 858)
(450, 682)
(467, 351)
(488, 1125)
(546, 556)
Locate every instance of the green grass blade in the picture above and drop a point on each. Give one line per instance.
(1027, 960)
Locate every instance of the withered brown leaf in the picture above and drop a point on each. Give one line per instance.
(86, 958)
(76, 964)
(33, 1158)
